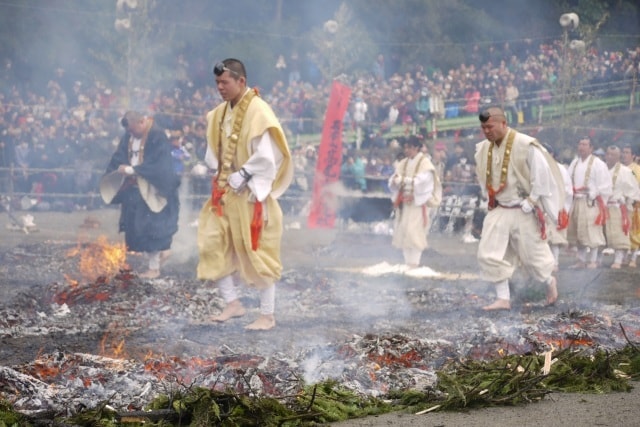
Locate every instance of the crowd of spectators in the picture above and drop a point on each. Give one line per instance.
(56, 137)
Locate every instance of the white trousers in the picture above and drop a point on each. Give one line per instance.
(511, 238)
(412, 256)
(592, 254)
(229, 293)
(154, 260)
(503, 291)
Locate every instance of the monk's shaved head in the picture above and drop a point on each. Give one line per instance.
(495, 111)
(489, 112)
(493, 123)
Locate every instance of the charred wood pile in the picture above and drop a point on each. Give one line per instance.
(81, 331)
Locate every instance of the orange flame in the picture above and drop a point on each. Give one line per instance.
(72, 282)
(562, 342)
(185, 370)
(407, 359)
(113, 347)
(45, 372)
(99, 259)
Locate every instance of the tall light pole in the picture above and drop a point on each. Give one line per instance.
(634, 83)
(568, 22)
(123, 24)
(330, 27)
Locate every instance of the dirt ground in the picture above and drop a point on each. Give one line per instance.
(352, 246)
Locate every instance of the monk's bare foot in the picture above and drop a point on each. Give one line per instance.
(592, 265)
(164, 256)
(499, 304)
(552, 291)
(578, 265)
(233, 309)
(632, 264)
(150, 274)
(262, 323)
(616, 266)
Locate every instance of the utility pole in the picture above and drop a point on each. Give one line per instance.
(568, 21)
(124, 24)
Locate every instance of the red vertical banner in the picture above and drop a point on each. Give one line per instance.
(324, 202)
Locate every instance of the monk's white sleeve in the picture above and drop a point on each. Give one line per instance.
(633, 194)
(210, 159)
(423, 184)
(263, 165)
(543, 184)
(542, 181)
(601, 177)
(568, 188)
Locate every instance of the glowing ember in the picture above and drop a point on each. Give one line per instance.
(408, 359)
(99, 259)
(562, 342)
(112, 346)
(45, 372)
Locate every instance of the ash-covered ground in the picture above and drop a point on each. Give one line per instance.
(345, 309)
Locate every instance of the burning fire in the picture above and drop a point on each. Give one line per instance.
(44, 371)
(99, 259)
(184, 370)
(112, 345)
(408, 359)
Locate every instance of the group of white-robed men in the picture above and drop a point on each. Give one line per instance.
(535, 206)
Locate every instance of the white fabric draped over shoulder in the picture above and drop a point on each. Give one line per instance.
(263, 164)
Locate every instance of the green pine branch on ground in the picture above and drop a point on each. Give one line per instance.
(509, 380)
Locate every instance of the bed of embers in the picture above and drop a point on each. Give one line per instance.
(84, 329)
